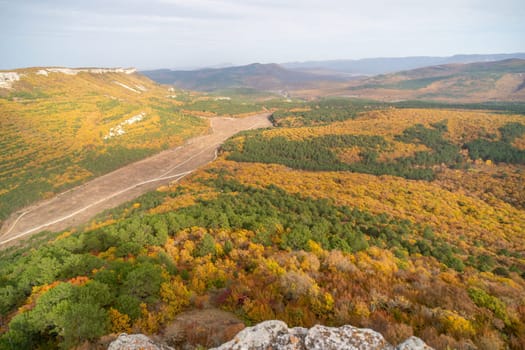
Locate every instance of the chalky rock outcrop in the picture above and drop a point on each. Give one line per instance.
(345, 337)
(276, 335)
(136, 342)
(413, 343)
(8, 78)
(75, 71)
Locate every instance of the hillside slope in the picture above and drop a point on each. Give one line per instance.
(60, 127)
(255, 76)
(77, 205)
(481, 81)
(406, 221)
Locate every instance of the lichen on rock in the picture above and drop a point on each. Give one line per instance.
(276, 335)
(136, 342)
(345, 337)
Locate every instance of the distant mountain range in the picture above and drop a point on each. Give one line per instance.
(483, 80)
(256, 76)
(383, 65)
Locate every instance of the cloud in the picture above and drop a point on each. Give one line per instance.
(114, 29)
(200, 32)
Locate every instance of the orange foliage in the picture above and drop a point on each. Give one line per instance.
(36, 292)
(79, 280)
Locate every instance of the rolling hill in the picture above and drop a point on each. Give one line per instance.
(60, 127)
(459, 82)
(384, 65)
(453, 83)
(268, 77)
(480, 81)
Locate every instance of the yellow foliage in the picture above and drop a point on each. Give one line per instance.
(72, 174)
(108, 254)
(258, 310)
(120, 323)
(349, 155)
(457, 325)
(519, 143)
(315, 248)
(95, 225)
(176, 296)
(309, 262)
(192, 192)
(400, 150)
(187, 251)
(149, 321)
(72, 115)
(462, 125)
(445, 210)
(361, 309)
(218, 249)
(449, 277)
(322, 303)
(63, 235)
(256, 249)
(205, 276)
(489, 183)
(274, 267)
(172, 249)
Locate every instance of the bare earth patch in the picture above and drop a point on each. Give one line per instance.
(206, 327)
(79, 204)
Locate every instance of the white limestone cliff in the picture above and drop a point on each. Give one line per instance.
(8, 78)
(75, 71)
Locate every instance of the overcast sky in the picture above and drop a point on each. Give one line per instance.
(195, 33)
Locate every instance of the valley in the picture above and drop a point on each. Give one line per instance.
(255, 175)
(77, 205)
(453, 80)
(405, 217)
(62, 127)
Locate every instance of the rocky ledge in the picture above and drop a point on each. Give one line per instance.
(276, 335)
(136, 342)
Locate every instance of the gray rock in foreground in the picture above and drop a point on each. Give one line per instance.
(345, 337)
(413, 343)
(136, 342)
(276, 335)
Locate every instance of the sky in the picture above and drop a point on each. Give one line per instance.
(198, 33)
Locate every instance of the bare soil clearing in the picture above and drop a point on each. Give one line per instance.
(81, 203)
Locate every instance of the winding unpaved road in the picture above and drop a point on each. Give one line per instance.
(78, 205)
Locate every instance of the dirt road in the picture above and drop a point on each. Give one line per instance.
(81, 203)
